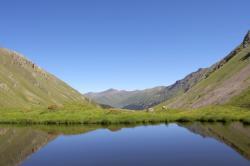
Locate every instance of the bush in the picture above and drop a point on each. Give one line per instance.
(52, 107)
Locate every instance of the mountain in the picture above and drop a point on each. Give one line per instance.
(24, 84)
(110, 97)
(142, 99)
(125, 99)
(226, 82)
(227, 79)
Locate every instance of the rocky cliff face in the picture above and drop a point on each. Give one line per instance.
(246, 41)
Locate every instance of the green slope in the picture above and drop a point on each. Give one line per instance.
(23, 84)
(226, 82)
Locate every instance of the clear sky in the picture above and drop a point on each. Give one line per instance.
(94, 45)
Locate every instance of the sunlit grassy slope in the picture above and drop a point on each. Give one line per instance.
(227, 82)
(23, 84)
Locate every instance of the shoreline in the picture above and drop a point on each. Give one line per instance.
(81, 116)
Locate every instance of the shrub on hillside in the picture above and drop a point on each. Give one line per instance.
(52, 107)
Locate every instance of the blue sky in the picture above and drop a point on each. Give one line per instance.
(94, 45)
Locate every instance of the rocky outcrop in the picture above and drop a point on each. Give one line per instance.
(246, 41)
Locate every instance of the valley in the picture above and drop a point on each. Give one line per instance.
(30, 95)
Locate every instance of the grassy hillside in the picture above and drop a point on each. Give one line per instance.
(24, 84)
(228, 81)
(242, 100)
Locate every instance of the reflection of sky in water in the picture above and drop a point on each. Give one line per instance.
(150, 145)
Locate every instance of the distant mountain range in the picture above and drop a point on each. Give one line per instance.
(141, 99)
(227, 81)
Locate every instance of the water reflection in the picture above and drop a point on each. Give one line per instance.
(20, 142)
(236, 135)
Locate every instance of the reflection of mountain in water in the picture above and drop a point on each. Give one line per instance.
(16, 144)
(235, 135)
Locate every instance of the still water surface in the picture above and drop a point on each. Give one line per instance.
(173, 144)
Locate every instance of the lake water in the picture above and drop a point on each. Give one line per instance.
(187, 144)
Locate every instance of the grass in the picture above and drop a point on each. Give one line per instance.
(82, 114)
(242, 100)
